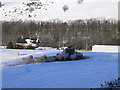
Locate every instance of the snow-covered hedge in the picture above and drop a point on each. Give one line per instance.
(111, 84)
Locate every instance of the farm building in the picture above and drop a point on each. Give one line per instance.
(105, 48)
(28, 42)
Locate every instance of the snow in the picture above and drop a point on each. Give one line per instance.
(88, 9)
(89, 73)
(45, 48)
(11, 57)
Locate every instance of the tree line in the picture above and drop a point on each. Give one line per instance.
(82, 34)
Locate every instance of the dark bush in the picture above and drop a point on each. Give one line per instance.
(10, 45)
(22, 47)
(18, 47)
(30, 47)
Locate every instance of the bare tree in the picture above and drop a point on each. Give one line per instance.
(80, 33)
(0, 4)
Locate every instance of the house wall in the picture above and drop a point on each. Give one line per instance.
(26, 44)
(105, 48)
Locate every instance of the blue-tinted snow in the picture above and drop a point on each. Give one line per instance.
(89, 73)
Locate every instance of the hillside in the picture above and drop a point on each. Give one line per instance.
(53, 9)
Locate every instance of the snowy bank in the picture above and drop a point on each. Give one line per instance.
(11, 57)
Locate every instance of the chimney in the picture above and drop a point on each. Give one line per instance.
(22, 37)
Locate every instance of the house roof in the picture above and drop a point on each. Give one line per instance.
(21, 40)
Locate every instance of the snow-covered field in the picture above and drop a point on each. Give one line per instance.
(89, 73)
(11, 57)
(16, 10)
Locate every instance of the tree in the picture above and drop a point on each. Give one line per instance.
(31, 9)
(10, 45)
(0, 4)
(80, 1)
(65, 7)
(58, 33)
